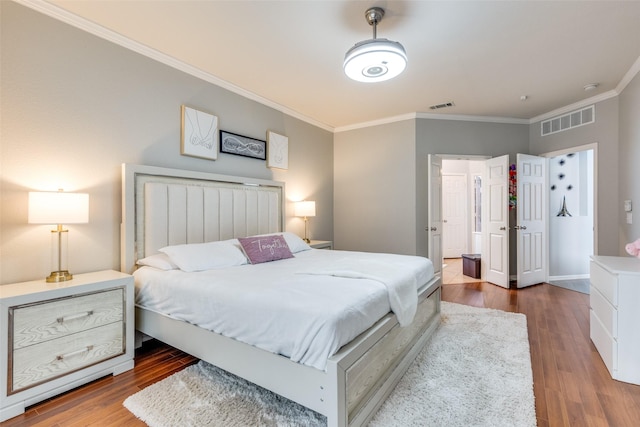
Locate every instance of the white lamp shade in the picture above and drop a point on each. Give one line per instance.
(375, 60)
(57, 207)
(305, 208)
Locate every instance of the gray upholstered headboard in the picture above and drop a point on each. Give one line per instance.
(163, 207)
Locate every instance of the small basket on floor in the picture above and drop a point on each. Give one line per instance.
(471, 265)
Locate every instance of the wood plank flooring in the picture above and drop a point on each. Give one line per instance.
(571, 384)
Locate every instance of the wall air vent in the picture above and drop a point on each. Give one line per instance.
(568, 121)
(443, 105)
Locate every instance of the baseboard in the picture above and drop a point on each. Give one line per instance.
(569, 277)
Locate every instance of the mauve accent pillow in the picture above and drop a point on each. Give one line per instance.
(265, 248)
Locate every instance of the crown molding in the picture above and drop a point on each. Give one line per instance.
(384, 121)
(453, 117)
(62, 15)
(633, 71)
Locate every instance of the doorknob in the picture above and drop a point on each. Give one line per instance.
(503, 228)
(434, 229)
(517, 227)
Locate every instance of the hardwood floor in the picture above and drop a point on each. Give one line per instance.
(99, 403)
(452, 272)
(571, 384)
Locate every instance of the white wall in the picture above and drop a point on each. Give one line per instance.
(74, 107)
(571, 237)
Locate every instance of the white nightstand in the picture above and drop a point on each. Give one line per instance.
(321, 244)
(57, 336)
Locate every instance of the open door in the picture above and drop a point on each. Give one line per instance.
(495, 228)
(434, 199)
(532, 214)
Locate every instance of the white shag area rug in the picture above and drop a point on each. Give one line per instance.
(475, 371)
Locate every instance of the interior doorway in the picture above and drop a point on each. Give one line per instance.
(563, 271)
(461, 213)
(572, 216)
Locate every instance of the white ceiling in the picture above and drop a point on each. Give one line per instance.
(481, 55)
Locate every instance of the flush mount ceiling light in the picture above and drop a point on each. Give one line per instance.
(375, 60)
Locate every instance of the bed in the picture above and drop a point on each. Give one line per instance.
(167, 207)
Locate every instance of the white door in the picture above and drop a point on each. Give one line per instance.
(434, 198)
(454, 215)
(495, 224)
(531, 224)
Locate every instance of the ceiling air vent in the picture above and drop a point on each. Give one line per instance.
(569, 121)
(444, 105)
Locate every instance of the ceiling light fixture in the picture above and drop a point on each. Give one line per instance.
(375, 60)
(591, 86)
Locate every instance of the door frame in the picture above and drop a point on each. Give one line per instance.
(592, 146)
(471, 157)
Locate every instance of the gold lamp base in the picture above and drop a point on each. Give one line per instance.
(59, 276)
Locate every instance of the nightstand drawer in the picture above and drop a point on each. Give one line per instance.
(41, 362)
(44, 321)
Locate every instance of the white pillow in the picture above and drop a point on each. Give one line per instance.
(159, 261)
(295, 243)
(206, 256)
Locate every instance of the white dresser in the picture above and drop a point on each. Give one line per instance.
(56, 336)
(615, 314)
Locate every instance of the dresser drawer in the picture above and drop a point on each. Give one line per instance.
(606, 345)
(605, 282)
(41, 362)
(44, 321)
(605, 312)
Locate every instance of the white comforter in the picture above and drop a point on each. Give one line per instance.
(300, 307)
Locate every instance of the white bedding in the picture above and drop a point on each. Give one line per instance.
(296, 307)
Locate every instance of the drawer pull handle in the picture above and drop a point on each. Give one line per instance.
(75, 353)
(74, 317)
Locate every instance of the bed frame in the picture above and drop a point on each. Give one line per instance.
(167, 206)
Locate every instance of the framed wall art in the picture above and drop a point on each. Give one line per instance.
(239, 145)
(277, 151)
(199, 134)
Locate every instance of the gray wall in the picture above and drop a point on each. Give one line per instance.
(463, 138)
(629, 161)
(381, 177)
(374, 189)
(604, 132)
(75, 107)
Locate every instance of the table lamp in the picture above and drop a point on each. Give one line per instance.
(58, 208)
(305, 209)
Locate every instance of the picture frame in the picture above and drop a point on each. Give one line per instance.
(277, 151)
(239, 145)
(198, 133)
